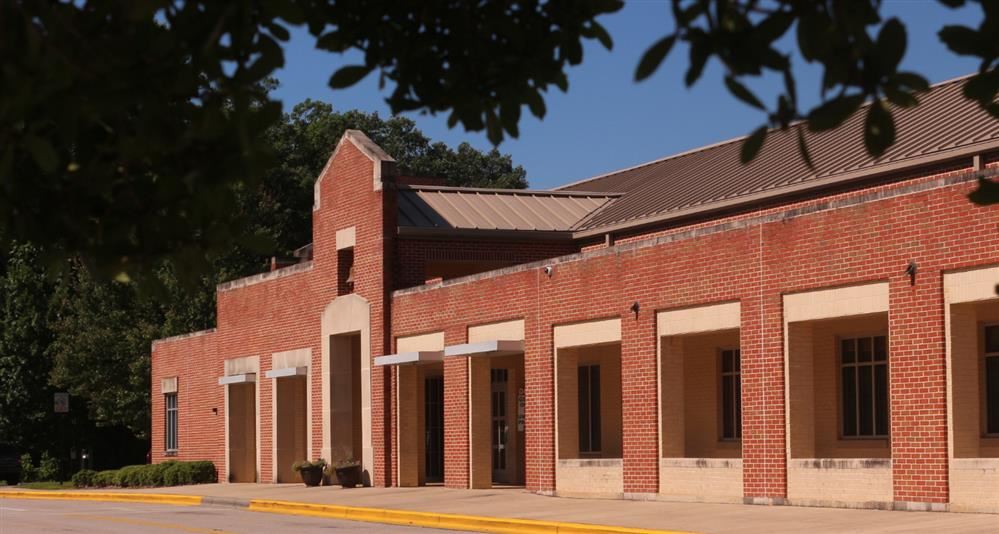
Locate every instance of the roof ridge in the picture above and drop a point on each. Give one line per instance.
(717, 144)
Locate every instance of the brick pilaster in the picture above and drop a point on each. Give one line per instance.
(639, 397)
(918, 388)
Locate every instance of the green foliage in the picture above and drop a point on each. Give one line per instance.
(858, 51)
(171, 473)
(178, 474)
(84, 478)
(306, 464)
(48, 468)
(203, 472)
(91, 337)
(131, 476)
(28, 473)
(144, 139)
(140, 139)
(479, 61)
(104, 479)
(152, 475)
(101, 345)
(26, 417)
(151, 140)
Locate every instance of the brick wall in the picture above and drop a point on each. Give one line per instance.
(851, 237)
(280, 311)
(754, 257)
(192, 359)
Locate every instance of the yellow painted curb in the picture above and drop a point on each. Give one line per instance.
(472, 523)
(441, 521)
(145, 498)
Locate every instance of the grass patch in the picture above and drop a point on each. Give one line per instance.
(46, 485)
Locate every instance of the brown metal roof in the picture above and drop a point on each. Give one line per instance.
(515, 210)
(944, 125)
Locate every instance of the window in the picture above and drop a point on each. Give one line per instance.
(345, 271)
(991, 369)
(864, 408)
(589, 408)
(731, 397)
(171, 422)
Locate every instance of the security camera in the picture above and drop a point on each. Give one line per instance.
(549, 270)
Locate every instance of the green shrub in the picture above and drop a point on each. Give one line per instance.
(178, 474)
(130, 476)
(48, 468)
(107, 478)
(170, 473)
(84, 478)
(203, 472)
(27, 468)
(152, 475)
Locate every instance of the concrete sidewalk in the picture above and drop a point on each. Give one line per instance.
(520, 504)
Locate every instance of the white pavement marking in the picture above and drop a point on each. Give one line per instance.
(9, 509)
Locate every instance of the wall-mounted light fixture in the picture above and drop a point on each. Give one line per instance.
(549, 270)
(215, 411)
(911, 270)
(635, 308)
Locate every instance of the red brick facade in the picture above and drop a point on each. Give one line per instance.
(866, 234)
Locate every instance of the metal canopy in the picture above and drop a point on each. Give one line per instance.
(410, 358)
(287, 371)
(245, 378)
(492, 347)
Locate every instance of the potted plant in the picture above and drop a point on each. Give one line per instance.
(311, 472)
(348, 472)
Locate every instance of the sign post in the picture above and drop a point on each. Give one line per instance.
(61, 402)
(60, 405)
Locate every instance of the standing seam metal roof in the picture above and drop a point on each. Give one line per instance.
(944, 120)
(450, 208)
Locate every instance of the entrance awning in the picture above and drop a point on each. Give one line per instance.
(245, 378)
(410, 358)
(492, 347)
(287, 371)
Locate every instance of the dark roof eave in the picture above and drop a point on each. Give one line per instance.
(481, 233)
(705, 210)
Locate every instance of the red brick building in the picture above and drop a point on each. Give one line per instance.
(685, 329)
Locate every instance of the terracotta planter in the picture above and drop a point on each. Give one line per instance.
(349, 476)
(312, 476)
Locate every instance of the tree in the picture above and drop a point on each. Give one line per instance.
(140, 123)
(858, 65)
(101, 334)
(26, 415)
(96, 340)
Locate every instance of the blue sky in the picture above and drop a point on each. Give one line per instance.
(606, 121)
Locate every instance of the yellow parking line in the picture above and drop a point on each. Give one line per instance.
(147, 523)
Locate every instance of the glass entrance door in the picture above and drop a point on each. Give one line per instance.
(434, 428)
